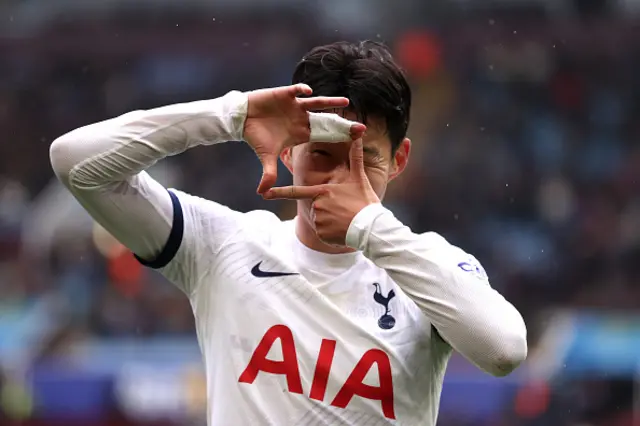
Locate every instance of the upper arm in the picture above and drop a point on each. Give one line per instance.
(138, 212)
(489, 330)
(168, 230)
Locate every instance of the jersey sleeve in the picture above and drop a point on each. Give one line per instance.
(103, 165)
(450, 287)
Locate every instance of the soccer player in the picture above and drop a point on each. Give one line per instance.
(340, 316)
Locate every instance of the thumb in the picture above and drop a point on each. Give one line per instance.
(269, 172)
(356, 160)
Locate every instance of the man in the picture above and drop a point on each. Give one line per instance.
(341, 316)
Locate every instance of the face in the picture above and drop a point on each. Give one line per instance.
(319, 163)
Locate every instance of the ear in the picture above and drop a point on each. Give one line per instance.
(286, 158)
(400, 159)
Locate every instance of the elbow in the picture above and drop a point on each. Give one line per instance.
(508, 355)
(65, 153)
(60, 158)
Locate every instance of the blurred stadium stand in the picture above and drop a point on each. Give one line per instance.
(526, 133)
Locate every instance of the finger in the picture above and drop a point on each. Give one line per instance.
(323, 102)
(357, 131)
(300, 90)
(327, 127)
(294, 192)
(269, 173)
(356, 159)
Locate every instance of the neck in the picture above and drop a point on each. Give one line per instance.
(307, 236)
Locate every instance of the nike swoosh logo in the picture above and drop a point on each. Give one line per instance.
(257, 272)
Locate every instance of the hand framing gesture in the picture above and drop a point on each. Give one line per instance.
(335, 204)
(277, 118)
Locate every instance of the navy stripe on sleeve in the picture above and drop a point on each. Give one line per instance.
(175, 238)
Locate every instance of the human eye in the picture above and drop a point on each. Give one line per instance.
(371, 154)
(372, 157)
(321, 152)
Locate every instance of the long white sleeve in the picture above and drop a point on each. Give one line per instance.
(103, 164)
(448, 285)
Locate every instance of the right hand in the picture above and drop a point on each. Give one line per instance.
(277, 119)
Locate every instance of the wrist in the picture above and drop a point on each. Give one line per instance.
(361, 225)
(237, 104)
(207, 122)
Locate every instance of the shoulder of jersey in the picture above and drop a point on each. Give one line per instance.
(262, 225)
(257, 217)
(255, 222)
(261, 221)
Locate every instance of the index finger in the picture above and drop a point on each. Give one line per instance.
(294, 192)
(323, 102)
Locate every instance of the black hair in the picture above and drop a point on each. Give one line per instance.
(367, 75)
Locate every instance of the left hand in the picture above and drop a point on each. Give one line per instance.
(336, 204)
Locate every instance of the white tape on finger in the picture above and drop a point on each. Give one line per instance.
(329, 127)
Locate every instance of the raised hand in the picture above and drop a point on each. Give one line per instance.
(277, 119)
(336, 204)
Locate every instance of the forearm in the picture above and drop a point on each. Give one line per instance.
(471, 316)
(119, 148)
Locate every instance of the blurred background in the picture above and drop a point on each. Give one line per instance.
(526, 132)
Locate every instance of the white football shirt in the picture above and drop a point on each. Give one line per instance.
(291, 336)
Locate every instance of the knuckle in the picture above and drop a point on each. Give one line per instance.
(323, 194)
(299, 135)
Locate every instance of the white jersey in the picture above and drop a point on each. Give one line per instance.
(291, 336)
(299, 337)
